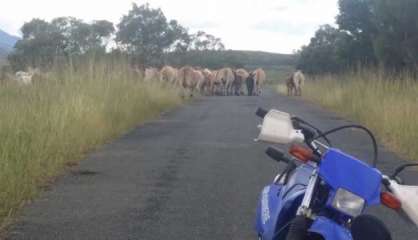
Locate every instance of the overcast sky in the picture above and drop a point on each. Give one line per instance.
(267, 25)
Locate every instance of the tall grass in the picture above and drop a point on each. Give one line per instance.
(66, 113)
(386, 103)
(279, 74)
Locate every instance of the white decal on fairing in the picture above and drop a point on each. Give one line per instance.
(265, 211)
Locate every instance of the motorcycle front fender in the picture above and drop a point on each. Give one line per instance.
(330, 230)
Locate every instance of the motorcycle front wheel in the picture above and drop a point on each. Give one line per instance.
(366, 227)
(298, 230)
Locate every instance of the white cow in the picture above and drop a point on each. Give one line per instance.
(168, 74)
(298, 81)
(25, 78)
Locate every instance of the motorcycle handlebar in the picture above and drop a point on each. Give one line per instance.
(261, 112)
(277, 155)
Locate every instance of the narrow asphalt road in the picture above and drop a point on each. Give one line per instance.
(194, 174)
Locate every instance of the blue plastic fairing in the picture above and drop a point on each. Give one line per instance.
(278, 204)
(340, 170)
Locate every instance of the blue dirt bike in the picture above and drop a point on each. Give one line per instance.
(323, 192)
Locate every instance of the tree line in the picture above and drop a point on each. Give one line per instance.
(368, 33)
(231, 58)
(145, 35)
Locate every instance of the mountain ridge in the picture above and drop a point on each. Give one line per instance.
(7, 42)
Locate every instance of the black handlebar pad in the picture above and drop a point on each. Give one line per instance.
(276, 154)
(261, 112)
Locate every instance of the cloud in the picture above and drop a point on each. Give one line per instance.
(280, 8)
(9, 26)
(201, 24)
(268, 25)
(296, 29)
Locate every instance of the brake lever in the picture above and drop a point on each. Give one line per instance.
(297, 123)
(277, 155)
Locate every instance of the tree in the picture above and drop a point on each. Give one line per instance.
(145, 33)
(202, 41)
(322, 54)
(396, 43)
(40, 43)
(101, 33)
(43, 41)
(356, 18)
(81, 37)
(182, 39)
(370, 32)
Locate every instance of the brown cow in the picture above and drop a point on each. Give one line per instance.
(290, 85)
(190, 79)
(209, 84)
(200, 80)
(185, 77)
(259, 79)
(226, 76)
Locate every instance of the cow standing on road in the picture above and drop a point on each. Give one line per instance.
(190, 79)
(250, 84)
(217, 84)
(298, 81)
(200, 80)
(290, 85)
(209, 83)
(185, 79)
(240, 76)
(259, 79)
(226, 76)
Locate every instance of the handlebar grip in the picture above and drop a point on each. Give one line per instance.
(276, 154)
(261, 112)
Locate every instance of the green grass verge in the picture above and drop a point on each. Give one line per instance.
(386, 104)
(69, 111)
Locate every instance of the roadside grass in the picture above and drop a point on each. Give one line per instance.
(278, 75)
(388, 104)
(52, 123)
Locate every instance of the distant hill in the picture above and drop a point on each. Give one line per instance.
(7, 43)
(262, 59)
(232, 58)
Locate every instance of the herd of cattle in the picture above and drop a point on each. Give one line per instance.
(225, 81)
